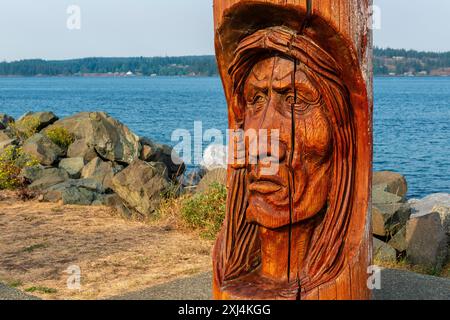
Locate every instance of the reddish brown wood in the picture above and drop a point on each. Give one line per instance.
(301, 67)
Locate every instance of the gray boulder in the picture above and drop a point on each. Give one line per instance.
(439, 202)
(80, 149)
(444, 214)
(155, 152)
(75, 191)
(99, 170)
(391, 182)
(381, 196)
(90, 184)
(48, 178)
(193, 178)
(43, 149)
(388, 218)
(141, 186)
(78, 196)
(72, 195)
(398, 241)
(425, 206)
(114, 201)
(39, 119)
(35, 173)
(427, 241)
(383, 252)
(73, 166)
(108, 137)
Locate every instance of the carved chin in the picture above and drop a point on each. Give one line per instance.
(265, 209)
(263, 213)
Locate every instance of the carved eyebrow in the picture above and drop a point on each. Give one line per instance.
(301, 87)
(253, 88)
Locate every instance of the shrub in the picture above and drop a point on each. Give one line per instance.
(60, 136)
(26, 127)
(206, 211)
(12, 161)
(41, 289)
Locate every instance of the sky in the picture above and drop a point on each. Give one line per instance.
(117, 28)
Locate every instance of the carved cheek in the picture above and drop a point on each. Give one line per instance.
(315, 136)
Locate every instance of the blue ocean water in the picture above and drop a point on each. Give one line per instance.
(411, 115)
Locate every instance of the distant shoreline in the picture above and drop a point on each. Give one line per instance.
(179, 76)
(106, 76)
(386, 63)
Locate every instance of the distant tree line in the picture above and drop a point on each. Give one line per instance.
(401, 61)
(386, 61)
(161, 66)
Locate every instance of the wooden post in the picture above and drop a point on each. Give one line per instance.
(300, 70)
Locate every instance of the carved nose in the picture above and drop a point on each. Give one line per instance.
(266, 146)
(267, 143)
(268, 119)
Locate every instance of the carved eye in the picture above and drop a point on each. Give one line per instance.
(258, 101)
(300, 105)
(259, 98)
(290, 99)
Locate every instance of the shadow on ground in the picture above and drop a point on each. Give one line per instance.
(395, 285)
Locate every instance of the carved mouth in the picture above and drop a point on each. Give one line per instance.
(265, 184)
(264, 187)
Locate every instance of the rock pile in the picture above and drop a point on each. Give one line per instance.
(105, 163)
(415, 229)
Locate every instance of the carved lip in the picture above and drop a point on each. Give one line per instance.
(265, 184)
(264, 187)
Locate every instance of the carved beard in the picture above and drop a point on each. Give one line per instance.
(237, 249)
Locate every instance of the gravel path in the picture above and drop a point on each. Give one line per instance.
(8, 293)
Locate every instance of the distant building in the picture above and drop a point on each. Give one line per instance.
(129, 74)
(422, 73)
(392, 74)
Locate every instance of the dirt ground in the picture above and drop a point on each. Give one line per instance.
(40, 241)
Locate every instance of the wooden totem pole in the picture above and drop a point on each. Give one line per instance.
(302, 69)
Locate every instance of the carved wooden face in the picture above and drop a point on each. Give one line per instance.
(305, 144)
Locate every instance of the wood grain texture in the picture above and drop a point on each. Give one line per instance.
(301, 68)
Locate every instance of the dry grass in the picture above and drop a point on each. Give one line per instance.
(405, 265)
(39, 241)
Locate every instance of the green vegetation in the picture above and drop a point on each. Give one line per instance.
(404, 264)
(14, 283)
(60, 136)
(34, 247)
(206, 211)
(400, 61)
(40, 289)
(12, 161)
(161, 66)
(386, 61)
(26, 127)
(201, 212)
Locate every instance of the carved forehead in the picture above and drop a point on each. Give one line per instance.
(280, 68)
(276, 72)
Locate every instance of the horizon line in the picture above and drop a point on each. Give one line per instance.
(182, 56)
